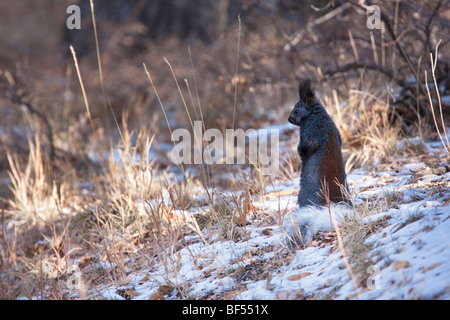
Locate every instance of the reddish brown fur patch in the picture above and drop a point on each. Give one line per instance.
(331, 171)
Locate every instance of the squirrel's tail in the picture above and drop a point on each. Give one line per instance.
(301, 226)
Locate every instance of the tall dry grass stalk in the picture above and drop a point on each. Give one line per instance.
(236, 74)
(83, 90)
(444, 128)
(326, 193)
(343, 251)
(106, 102)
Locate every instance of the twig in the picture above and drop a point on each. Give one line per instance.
(428, 24)
(364, 65)
(392, 33)
(352, 43)
(18, 96)
(317, 9)
(296, 37)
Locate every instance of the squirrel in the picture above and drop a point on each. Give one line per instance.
(323, 172)
(319, 150)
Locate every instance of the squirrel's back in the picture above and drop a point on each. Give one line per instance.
(319, 150)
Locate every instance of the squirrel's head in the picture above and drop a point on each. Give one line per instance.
(304, 106)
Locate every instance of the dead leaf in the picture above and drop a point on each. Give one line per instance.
(38, 247)
(386, 178)
(290, 295)
(276, 194)
(400, 265)
(157, 296)
(128, 294)
(162, 291)
(299, 276)
(430, 267)
(144, 280)
(314, 243)
(84, 261)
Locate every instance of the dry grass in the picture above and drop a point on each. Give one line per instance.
(366, 127)
(140, 210)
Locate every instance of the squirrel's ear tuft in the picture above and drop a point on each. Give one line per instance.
(306, 93)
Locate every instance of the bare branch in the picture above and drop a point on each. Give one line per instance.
(296, 37)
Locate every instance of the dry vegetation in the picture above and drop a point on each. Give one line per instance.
(92, 188)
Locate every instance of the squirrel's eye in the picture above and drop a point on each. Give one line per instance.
(296, 111)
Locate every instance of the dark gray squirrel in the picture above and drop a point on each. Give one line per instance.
(319, 150)
(322, 166)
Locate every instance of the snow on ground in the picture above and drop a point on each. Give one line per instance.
(409, 254)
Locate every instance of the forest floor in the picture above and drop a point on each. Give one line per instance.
(396, 245)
